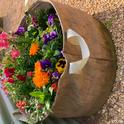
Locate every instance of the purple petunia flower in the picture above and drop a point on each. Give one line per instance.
(20, 30)
(49, 37)
(56, 75)
(46, 38)
(53, 35)
(46, 64)
(51, 18)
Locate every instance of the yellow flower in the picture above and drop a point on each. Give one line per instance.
(40, 78)
(60, 65)
(34, 48)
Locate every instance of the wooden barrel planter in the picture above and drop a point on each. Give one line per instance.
(91, 62)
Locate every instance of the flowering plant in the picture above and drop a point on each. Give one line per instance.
(33, 63)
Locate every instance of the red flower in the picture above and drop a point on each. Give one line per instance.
(21, 77)
(30, 74)
(9, 72)
(54, 86)
(21, 105)
(11, 80)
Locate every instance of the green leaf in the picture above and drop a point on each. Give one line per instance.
(53, 45)
(56, 53)
(1, 71)
(26, 34)
(48, 54)
(41, 100)
(37, 94)
(40, 95)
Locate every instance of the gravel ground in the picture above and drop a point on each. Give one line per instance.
(111, 13)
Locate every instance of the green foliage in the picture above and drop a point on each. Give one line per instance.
(42, 17)
(26, 90)
(40, 95)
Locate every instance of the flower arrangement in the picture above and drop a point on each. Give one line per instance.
(33, 64)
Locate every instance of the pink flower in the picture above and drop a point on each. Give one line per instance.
(4, 36)
(4, 40)
(29, 73)
(15, 53)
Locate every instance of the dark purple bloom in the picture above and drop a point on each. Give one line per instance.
(20, 30)
(53, 35)
(34, 21)
(49, 37)
(46, 38)
(56, 75)
(51, 18)
(46, 64)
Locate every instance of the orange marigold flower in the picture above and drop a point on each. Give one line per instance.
(34, 48)
(38, 66)
(40, 78)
